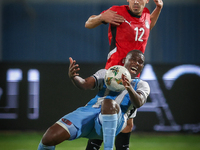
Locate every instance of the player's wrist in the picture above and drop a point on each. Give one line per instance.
(159, 7)
(101, 20)
(73, 77)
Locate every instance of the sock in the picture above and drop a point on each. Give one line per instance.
(94, 144)
(44, 147)
(122, 141)
(109, 125)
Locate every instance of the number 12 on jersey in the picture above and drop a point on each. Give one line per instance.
(139, 30)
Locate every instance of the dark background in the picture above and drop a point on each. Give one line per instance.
(42, 35)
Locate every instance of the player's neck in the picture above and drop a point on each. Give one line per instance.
(132, 14)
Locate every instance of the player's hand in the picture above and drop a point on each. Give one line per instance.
(126, 82)
(73, 68)
(112, 17)
(159, 3)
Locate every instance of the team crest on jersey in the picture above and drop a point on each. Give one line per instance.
(147, 24)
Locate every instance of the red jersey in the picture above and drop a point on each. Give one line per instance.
(132, 34)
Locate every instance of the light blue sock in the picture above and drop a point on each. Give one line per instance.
(44, 147)
(109, 125)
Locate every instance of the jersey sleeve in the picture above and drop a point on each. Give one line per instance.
(143, 87)
(99, 78)
(132, 113)
(146, 10)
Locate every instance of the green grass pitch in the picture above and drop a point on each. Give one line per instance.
(139, 141)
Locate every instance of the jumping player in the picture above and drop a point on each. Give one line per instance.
(129, 28)
(103, 116)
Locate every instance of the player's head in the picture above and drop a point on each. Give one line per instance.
(134, 62)
(137, 6)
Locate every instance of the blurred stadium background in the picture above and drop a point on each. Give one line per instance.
(38, 36)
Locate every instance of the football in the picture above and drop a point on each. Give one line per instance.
(113, 78)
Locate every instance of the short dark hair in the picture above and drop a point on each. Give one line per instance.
(138, 51)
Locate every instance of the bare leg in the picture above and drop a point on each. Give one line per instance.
(109, 107)
(55, 135)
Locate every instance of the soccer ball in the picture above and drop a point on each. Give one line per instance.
(113, 78)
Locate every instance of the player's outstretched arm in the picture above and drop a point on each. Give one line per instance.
(108, 16)
(156, 12)
(87, 83)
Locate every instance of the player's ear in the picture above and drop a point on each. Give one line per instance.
(142, 67)
(147, 1)
(123, 60)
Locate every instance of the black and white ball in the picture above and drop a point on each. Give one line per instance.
(113, 78)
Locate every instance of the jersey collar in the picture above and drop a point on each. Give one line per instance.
(132, 14)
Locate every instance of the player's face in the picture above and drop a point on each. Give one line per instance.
(137, 6)
(134, 63)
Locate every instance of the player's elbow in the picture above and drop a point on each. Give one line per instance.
(139, 103)
(88, 26)
(151, 26)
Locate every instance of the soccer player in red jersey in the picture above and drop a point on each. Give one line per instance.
(129, 28)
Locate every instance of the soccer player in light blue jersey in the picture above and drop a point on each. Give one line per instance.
(106, 114)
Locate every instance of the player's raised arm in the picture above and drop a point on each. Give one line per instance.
(87, 83)
(156, 12)
(108, 16)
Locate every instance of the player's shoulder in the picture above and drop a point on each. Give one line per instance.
(100, 73)
(99, 78)
(140, 82)
(102, 70)
(143, 82)
(143, 87)
(146, 10)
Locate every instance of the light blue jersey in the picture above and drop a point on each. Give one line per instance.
(86, 121)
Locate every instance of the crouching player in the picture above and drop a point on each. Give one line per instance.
(105, 115)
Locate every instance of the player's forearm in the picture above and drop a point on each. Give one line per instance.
(137, 99)
(154, 16)
(84, 84)
(78, 82)
(93, 21)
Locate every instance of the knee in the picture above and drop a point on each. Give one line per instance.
(49, 140)
(128, 127)
(109, 107)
